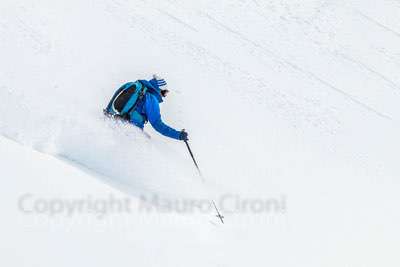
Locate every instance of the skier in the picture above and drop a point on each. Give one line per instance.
(138, 103)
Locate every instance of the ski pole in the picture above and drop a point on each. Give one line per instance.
(194, 160)
(221, 217)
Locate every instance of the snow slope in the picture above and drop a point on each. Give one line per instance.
(82, 238)
(293, 99)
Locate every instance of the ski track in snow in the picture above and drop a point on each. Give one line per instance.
(372, 71)
(378, 24)
(174, 18)
(308, 73)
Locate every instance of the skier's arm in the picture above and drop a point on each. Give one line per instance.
(154, 117)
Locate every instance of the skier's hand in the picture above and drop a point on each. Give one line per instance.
(184, 135)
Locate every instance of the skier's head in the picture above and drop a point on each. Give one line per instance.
(161, 84)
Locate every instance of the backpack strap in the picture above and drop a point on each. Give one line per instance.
(132, 103)
(110, 109)
(141, 93)
(132, 100)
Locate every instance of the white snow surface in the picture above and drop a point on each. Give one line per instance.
(283, 99)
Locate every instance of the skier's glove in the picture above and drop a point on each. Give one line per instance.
(184, 135)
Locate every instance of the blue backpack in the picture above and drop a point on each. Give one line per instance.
(125, 100)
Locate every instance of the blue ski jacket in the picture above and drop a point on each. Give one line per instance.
(149, 108)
